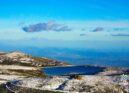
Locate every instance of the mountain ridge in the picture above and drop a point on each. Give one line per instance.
(21, 58)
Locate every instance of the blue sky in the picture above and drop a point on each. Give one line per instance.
(82, 16)
(66, 9)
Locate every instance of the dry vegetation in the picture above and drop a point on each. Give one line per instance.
(30, 73)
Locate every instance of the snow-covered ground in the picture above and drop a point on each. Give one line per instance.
(87, 84)
(16, 67)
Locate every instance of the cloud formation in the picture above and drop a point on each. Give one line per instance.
(83, 34)
(119, 34)
(98, 29)
(49, 26)
(121, 29)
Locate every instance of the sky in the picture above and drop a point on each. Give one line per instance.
(65, 23)
(65, 9)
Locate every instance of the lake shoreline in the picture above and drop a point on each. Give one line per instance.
(27, 69)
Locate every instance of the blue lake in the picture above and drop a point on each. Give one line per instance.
(70, 70)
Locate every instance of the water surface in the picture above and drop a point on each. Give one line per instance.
(70, 70)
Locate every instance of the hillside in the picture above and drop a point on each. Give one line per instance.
(19, 58)
(21, 73)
